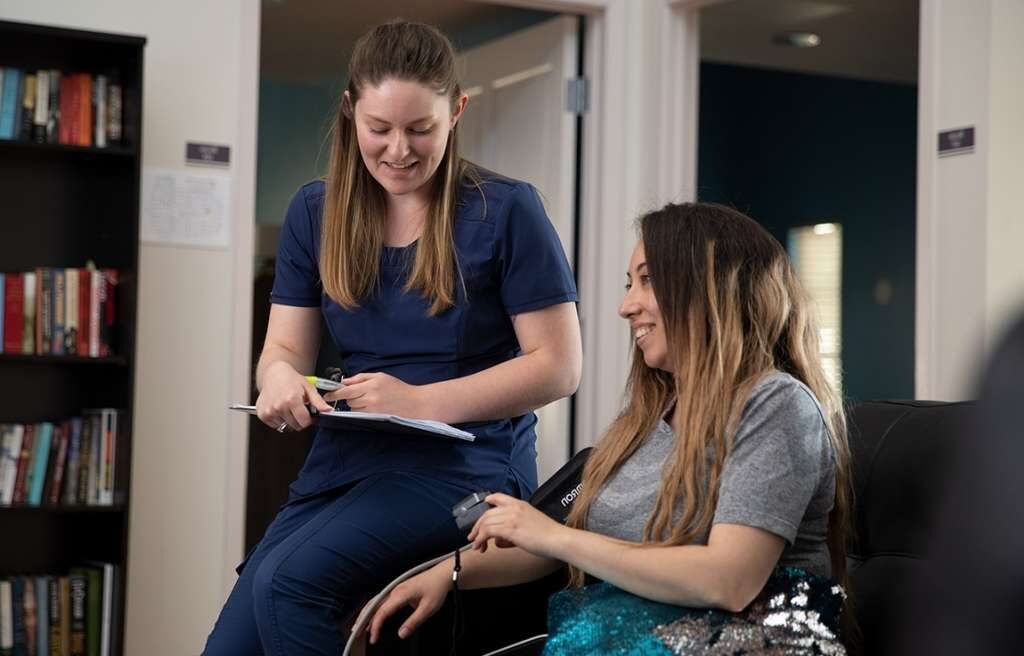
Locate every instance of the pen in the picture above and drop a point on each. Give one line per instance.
(324, 384)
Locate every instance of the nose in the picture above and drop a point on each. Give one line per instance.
(398, 145)
(629, 305)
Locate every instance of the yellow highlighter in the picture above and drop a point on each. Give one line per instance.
(324, 384)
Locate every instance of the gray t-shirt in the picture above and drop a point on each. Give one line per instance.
(779, 476)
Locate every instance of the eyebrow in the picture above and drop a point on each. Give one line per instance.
(419, 120)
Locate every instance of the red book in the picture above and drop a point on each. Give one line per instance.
(56, 477)
(64, 126)
(84, 294)
(24, 462)
(14, 312)
(108, 319)
(85, 109)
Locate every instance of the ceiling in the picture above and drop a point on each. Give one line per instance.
(866, 39)
(310, 40)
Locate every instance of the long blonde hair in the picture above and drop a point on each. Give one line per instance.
(734, 312)
(354, 205)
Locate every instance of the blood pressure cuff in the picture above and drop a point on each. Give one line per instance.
(555, 497)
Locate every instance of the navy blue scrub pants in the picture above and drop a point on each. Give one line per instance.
(323, 557)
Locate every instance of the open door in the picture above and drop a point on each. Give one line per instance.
(518, 123)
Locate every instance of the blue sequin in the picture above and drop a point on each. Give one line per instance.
(796, 613)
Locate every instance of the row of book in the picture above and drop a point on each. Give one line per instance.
(64, 615)
(71, 463)
(57, 311)
(47, 106)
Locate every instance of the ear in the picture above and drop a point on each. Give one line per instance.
(346, 105)
(460, 106)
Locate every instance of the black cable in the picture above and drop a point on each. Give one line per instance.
(457, 619)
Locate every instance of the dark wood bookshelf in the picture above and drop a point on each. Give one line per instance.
(65, 206)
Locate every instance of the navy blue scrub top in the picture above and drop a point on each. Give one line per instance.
(511, 261)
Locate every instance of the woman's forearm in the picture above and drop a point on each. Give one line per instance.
(509, 389)
(499, 567)
(274, 353)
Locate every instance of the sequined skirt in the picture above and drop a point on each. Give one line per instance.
(796, 613)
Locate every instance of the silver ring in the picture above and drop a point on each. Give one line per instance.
(283, 427)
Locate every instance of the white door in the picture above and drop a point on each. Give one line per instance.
(517, 124)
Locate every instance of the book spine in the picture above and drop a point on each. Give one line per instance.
(59, 307)
(28, 335)
(53, 111)
(71, 311)
(108, 323)
(95, 460)
(44, 310)
(60, 465)
(74, 453)
(11, 458)
(42, 106)
(24, 460)
(44, 436)
(64, 585)
(51, 461)
(114, 110)
(100, 110)
(43, 613)
(6, 618)
(65, 111)
(53, 607)
(28, 108)
(5, 444)
(84, 457)
(31, 616)
(77, 584)
(14, 312)
(95, 307)
(18, 615)
(84, 294)
(12, 81)
(85, 109)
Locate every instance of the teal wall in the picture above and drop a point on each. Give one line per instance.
(792, 150)
(294, 118)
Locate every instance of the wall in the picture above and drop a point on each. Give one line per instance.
(201, 65)
(295, 118)
(793, 149)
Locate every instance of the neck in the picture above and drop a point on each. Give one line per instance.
(406, 215)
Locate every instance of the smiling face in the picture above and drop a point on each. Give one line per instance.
(640, 308)
(403, 128)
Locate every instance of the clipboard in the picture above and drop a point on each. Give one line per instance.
(382, 423)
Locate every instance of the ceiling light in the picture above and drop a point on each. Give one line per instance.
(797, 39)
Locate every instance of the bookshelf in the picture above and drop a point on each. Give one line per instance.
(64, 205)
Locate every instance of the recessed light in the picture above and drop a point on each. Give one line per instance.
(797, 39)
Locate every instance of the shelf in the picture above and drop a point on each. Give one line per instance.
(62, 510)
(112, 151)
(113, 361)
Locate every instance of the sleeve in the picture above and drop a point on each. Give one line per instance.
(780, 454)
(533, 268)
(297, 272)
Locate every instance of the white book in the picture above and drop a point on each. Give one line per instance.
(12, 454)
(5, 440)
(6, 617)
(96, 298)
(71, 312)
(100, 110)
(373, 421)
(105, 472)
(42, 101)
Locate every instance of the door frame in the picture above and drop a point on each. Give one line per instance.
(639, 150)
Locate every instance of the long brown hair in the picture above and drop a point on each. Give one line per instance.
(733, 311)
(354, 205)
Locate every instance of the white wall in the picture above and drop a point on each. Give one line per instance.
(187, 494)
(970, 274)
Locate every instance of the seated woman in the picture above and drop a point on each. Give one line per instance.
(723, 485)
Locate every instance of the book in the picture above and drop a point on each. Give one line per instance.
(18, 615)
(11, 458)
(377, 422)
(71, 311)
(42, 616)
(6, 618)
(77, 584)
(24, 462)
(84, 294)
(14, 309)
(114, 104)
(28, 108)
(99, 108)
(28, 335)
(60, 466)
(10, 102)
(41, 453)
(53, 111)
(58, 307)
(31, 616)
(42, 106)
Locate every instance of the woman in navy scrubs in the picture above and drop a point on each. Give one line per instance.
(449, 297)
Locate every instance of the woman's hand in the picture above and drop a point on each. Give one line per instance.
(377, 392)
(286, 393)
(514, 522)
(424, 593)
